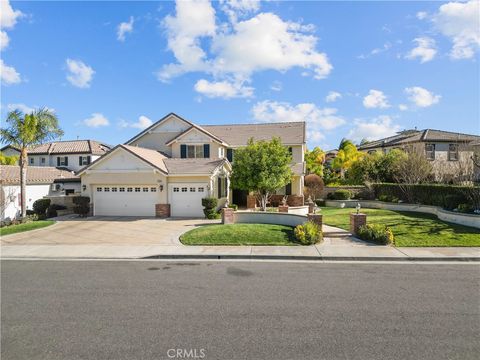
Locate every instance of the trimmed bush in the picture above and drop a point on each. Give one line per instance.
(378, 234)
(210, 208)
(342, 194)
(320, 203)
(52, 210)
(445, 196)
(465, 208)
(82, 205)
(40, 207)
(233, 206)
(308, 233)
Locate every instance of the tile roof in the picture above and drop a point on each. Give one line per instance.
(10, 174)
(70, 146)
(193, 166)
(239, 134)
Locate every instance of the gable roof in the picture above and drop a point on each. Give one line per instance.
(152, 157)
(426, 135)
(199, 128)
(67, 147)
(239, 134)
(35, 174)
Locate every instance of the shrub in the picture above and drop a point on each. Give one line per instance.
(309, 233)
(320, 202)
(446, 196)
(210, 208)
(465, 208)
(82, 205)
(376, 233)
(365, 194)
(233, 206)
(342, 194)
(40, 207)
(313, 186)
(52, 210)
(30, 212)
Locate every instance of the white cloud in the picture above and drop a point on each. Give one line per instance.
(22, 107)
(8, 74)
(276, 86)
(142, 123)
(333, 96)
(460, 22)
(4, 40)
(375, 99)
(377, 128)
(318, 119)
(199, 45)
(8, 16)
(96, 120)
(124, 28)
(224, 89)
(421, 15)
(421, 97)
(387, 46)
(425, 49)
(239, 8)
(403, 107)
(80, 74)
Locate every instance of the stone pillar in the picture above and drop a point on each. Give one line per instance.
(162, 210)
(311, 207)
(316, 218)
(283, 208)
(295, 200)
(357, 220)
(227, 216)
(251, 202)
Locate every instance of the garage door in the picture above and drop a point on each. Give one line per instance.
(186, 199)
(125, 200)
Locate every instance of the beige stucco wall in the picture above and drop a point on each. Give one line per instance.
(195, 137)
(297, 153)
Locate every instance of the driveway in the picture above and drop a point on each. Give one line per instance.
(108, 230)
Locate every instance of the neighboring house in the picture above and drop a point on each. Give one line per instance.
(451, 153)
(169, 167)
(72, 155)
(41, 181)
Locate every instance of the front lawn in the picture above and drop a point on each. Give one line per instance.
(12, 229)
(409, 228)
(240, 234)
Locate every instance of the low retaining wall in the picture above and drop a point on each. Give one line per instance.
(298, 210)
(448, 216)
(256, 217)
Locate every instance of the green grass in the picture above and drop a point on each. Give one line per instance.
(12, 229)
(240, 234)
(409, 228)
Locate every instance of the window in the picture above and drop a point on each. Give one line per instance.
(153, 189)
(99, 189)
(32, 161)
(42, 160)
(184, 189)
(192, 189)
(430, 151)
(221, 152)
(453, 152)
(145, 189)
(122, 189)
(129, 189)
(62, 161)
(222, 187)
(114, 189)
(194, 151)
(176, 189)
(107, 189)
(201, 189)
(137, 189)
(83, 160)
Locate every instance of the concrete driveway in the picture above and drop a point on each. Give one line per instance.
(108, 230)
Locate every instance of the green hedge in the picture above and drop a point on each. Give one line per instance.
(376, 233)
(446, 196)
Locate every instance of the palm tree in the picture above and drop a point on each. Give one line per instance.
(24, 131)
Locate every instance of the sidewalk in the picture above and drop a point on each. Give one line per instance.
(337, 245)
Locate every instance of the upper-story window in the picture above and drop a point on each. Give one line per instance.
(42, 161)
(83, 160)
(430, 151)
(195, 151)
(230, 155)
(32, 161)
(221, 152)
(453, 152)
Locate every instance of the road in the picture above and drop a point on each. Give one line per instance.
(238, 310)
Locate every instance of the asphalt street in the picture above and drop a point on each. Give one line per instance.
(238, 310)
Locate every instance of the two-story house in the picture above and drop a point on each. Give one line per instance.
(72, 154)
(449, 152)
(169, 167)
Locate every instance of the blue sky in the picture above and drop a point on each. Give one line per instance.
(110, 68)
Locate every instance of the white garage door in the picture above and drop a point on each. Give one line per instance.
(186, 199)
(125, 200)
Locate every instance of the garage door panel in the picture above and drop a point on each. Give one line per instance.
(125, 200)
(186, 199)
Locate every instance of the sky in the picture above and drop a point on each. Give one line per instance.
(360, 70)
